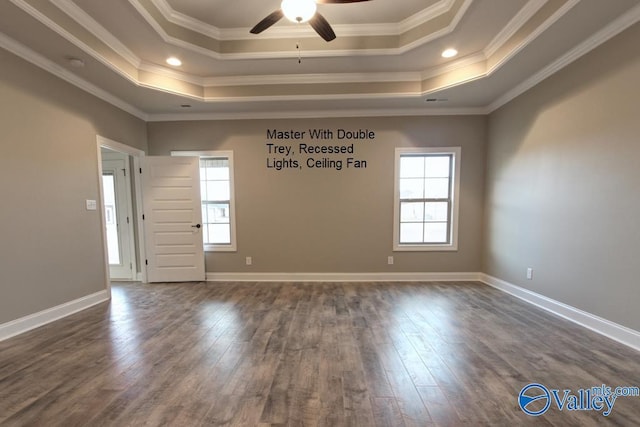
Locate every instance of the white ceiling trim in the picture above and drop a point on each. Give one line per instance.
(537, 32)
(319, 114)
(36, 14)
(186, 21)
(521, 18)
(293, 53)
(173, 74)
(614, 28)
(46, 64)
(386, 29)
(91, 25)
(453, 66)
(425, 15)
(513, 26)
(283, 79)
(309, 97)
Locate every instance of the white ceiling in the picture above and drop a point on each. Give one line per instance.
(385, 61)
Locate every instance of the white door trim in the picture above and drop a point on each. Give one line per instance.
(137, 156)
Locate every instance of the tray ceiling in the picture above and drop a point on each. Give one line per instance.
(386, 58)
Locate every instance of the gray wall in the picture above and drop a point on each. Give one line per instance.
(563, 181)
(315, 220)
(52, 249)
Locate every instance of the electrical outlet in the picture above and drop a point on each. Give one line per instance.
(390, 260)
(249, 261)
(529, 273)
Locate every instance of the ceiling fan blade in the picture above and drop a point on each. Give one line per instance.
(322, 27)
(338, 1)
(267, 22)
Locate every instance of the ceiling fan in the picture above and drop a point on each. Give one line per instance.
(302, 11)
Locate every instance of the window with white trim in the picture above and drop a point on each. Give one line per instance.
(217, 198)
(427, 182)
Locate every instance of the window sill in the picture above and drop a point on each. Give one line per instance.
(425, 248)
(221, 248)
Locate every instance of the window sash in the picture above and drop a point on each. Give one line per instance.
(207, 202)
(425, 176)
(412, 228)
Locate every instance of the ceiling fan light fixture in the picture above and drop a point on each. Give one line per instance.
(298, 10)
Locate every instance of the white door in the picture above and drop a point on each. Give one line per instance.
(118, 216)
(173, 219)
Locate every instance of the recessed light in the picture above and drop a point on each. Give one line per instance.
(449, 53)
(174, 61)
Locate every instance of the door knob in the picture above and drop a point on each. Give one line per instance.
(196, 226)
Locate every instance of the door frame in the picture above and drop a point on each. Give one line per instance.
(137, 156)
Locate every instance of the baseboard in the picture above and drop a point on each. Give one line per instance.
(341, 277)
(622, 334)
(32, 321)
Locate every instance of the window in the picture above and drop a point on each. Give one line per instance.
(217, 197)
(427, 186)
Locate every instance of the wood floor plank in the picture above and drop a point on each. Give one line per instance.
(306, 354)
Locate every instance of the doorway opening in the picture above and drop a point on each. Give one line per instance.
(121, 205)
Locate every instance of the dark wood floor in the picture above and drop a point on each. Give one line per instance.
(327, 354)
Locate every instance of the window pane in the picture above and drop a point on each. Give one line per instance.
(437, 166)
(203, 190)
(219, 233)
(436, 188)
(113, 242)
(218, 190)
(218, 213)
(411, 166)
(205, 218)
(435, 232)
(413, 212)
(411, 188)
(205, 233)
(436, 211)
(221, 173)
(215, 168)
(411, 232)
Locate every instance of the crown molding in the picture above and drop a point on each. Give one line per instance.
(425, 15)
(184, 21)
(171, 73)
(614, 28)
(101, 33)
(453, 66)
(521, 18)
(319, 114)
(384, 29)
(38, 60)
(534, 34)
(281, 79)
(53, 26)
